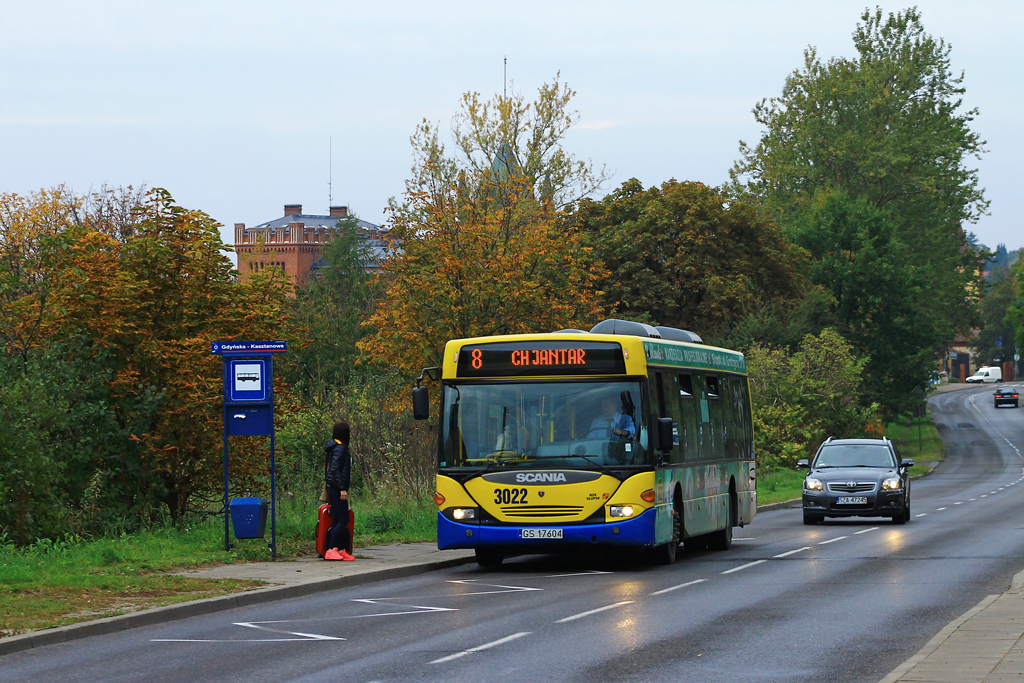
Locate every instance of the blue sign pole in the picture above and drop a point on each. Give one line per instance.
(227, 500)
(248, 372)
(273, 477)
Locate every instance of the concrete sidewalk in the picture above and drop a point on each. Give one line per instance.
(984, 645)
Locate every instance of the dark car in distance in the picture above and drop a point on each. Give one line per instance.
(1007, 396)
(857, 478)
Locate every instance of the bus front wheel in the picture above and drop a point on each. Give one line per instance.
(489, 557)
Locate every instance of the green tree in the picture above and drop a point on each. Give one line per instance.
(886, 133)
(995, 340)
(799, 399)
(330, 313)
(1014, 318)
(682, 255)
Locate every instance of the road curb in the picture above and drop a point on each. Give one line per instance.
(156, 615)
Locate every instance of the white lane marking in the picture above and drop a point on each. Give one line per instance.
(593, 572)
(478, 648)
(508, 589)
(593, 611)
(793, 552)
(743, 566)
(984, 495)
(416, 609)
(972, 500)
(241, 640)
(921, 515)
(745, 538)
(682, 585)
(833, 540)
(996, 429)
(301, 637)
(992, 492)
(939, 509)
(864, 531)
(958, 503)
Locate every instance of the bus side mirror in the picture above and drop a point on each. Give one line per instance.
(421, 403)
(665, 434)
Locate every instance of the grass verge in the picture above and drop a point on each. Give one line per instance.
(54, 584)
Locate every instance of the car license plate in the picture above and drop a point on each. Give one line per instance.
(540, 533)
(852, 500)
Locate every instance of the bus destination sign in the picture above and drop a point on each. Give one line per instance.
(540, 358)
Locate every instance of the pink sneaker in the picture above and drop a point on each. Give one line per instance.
(333, 554)
(345, 556)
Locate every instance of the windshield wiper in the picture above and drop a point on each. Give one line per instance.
(596, 464)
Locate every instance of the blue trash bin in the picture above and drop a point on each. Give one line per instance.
(249, 517)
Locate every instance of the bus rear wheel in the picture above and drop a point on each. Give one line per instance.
(489, 557)
(666, 553)
(722, 539)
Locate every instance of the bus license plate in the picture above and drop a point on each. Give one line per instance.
(852, 500)
(540, 533)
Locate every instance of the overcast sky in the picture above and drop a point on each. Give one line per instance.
(231, 105)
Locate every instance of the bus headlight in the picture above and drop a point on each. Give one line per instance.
(812, 484)
(620, 510)
(893, 484)
(461, 514)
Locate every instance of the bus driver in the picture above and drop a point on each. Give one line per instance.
(612, 422)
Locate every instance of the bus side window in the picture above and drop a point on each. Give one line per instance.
(716, 416)
(688, 418)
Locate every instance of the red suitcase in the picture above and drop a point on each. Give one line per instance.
(323, 525)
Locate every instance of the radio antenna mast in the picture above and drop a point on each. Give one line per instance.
(330, 171)
(504, 83)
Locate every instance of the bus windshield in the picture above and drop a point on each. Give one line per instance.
(543, 424)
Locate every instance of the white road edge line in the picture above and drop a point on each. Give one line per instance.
(939, 509)
(593, 611)
(478, 648)
(921, 515)
(864, 531)
(682, 585)
(743, 566)
(833, 540)
(792, 552)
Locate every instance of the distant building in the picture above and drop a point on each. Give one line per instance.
(295, 243)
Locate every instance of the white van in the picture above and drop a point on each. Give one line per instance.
(986, 375)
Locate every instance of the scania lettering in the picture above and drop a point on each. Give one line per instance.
(625, 437)
(541, 477)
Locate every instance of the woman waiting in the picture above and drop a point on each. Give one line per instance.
(339, 469)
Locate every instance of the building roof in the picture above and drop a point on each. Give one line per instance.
(312, 221)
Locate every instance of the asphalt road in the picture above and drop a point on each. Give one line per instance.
(841, 601)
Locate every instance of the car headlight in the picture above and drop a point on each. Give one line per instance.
(620, 511)
(812, 484)
(461, 514)
(893, 484)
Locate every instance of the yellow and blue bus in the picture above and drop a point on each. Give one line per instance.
(627, 436)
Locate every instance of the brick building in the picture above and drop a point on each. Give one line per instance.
(295, 242)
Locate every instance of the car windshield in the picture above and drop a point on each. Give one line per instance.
(854, 455)
(543, 424)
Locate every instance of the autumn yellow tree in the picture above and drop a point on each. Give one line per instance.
(155, 301)
(110, 396)
(477, 245)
